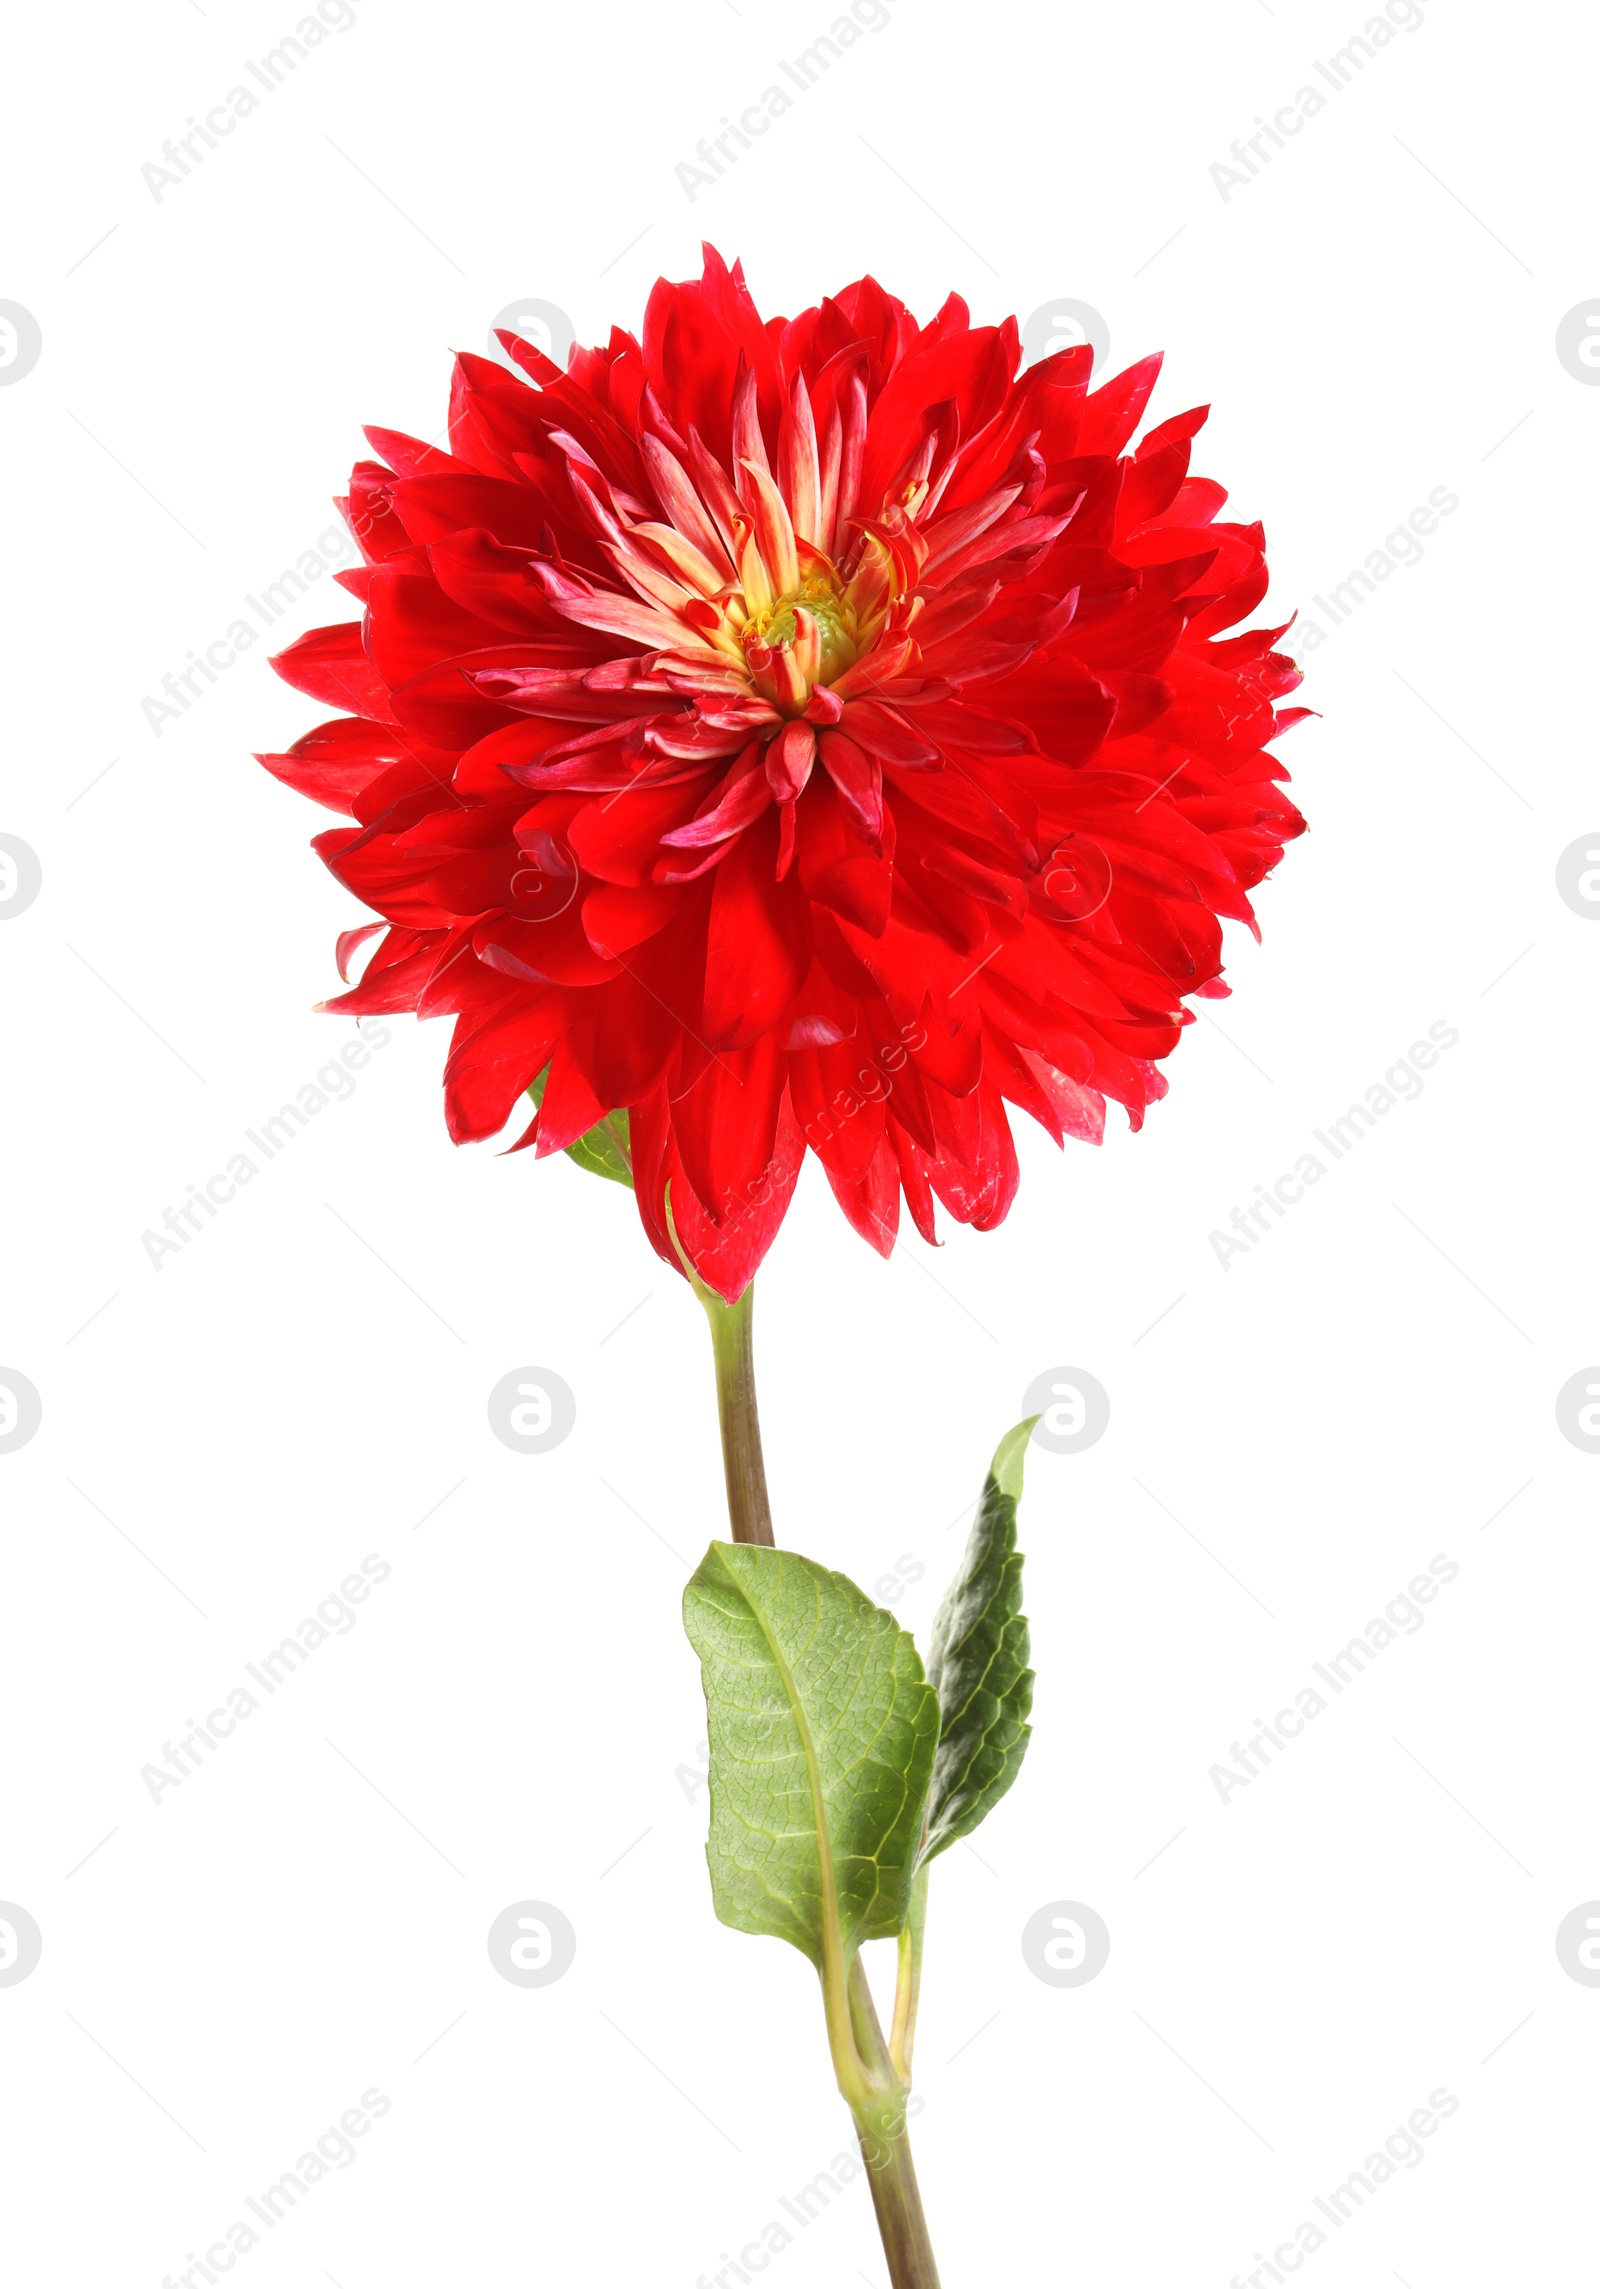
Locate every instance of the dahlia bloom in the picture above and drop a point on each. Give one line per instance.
(797, 733)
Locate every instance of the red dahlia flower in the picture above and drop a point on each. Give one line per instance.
(806, 732)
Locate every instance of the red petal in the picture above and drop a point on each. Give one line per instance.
(571, 1106)
(726, 1126)
(350, 942)
(1111, 415)
(760, 942)
(334, 763)
(789, 759)
(491, 1064)
(331, 665)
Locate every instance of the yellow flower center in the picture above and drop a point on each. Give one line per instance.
(826, 649)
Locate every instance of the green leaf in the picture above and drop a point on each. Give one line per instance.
(823, 1730)
(606, 1149)
(978, 1662)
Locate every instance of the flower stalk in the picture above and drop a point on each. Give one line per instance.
(880, 2119)
(873, 2078)
(749, 1511)
(897, 2200)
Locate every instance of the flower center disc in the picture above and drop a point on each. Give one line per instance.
(808, 637)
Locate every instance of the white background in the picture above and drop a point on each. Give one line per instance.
(1373, 317)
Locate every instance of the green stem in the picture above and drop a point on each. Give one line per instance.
(902, 2228)
(880, 2120)
(872, 2081)
(908, 1980)
(749, 1512)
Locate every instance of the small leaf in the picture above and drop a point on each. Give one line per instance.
(606, 1149)
(823, 1730)
(978, 1662)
